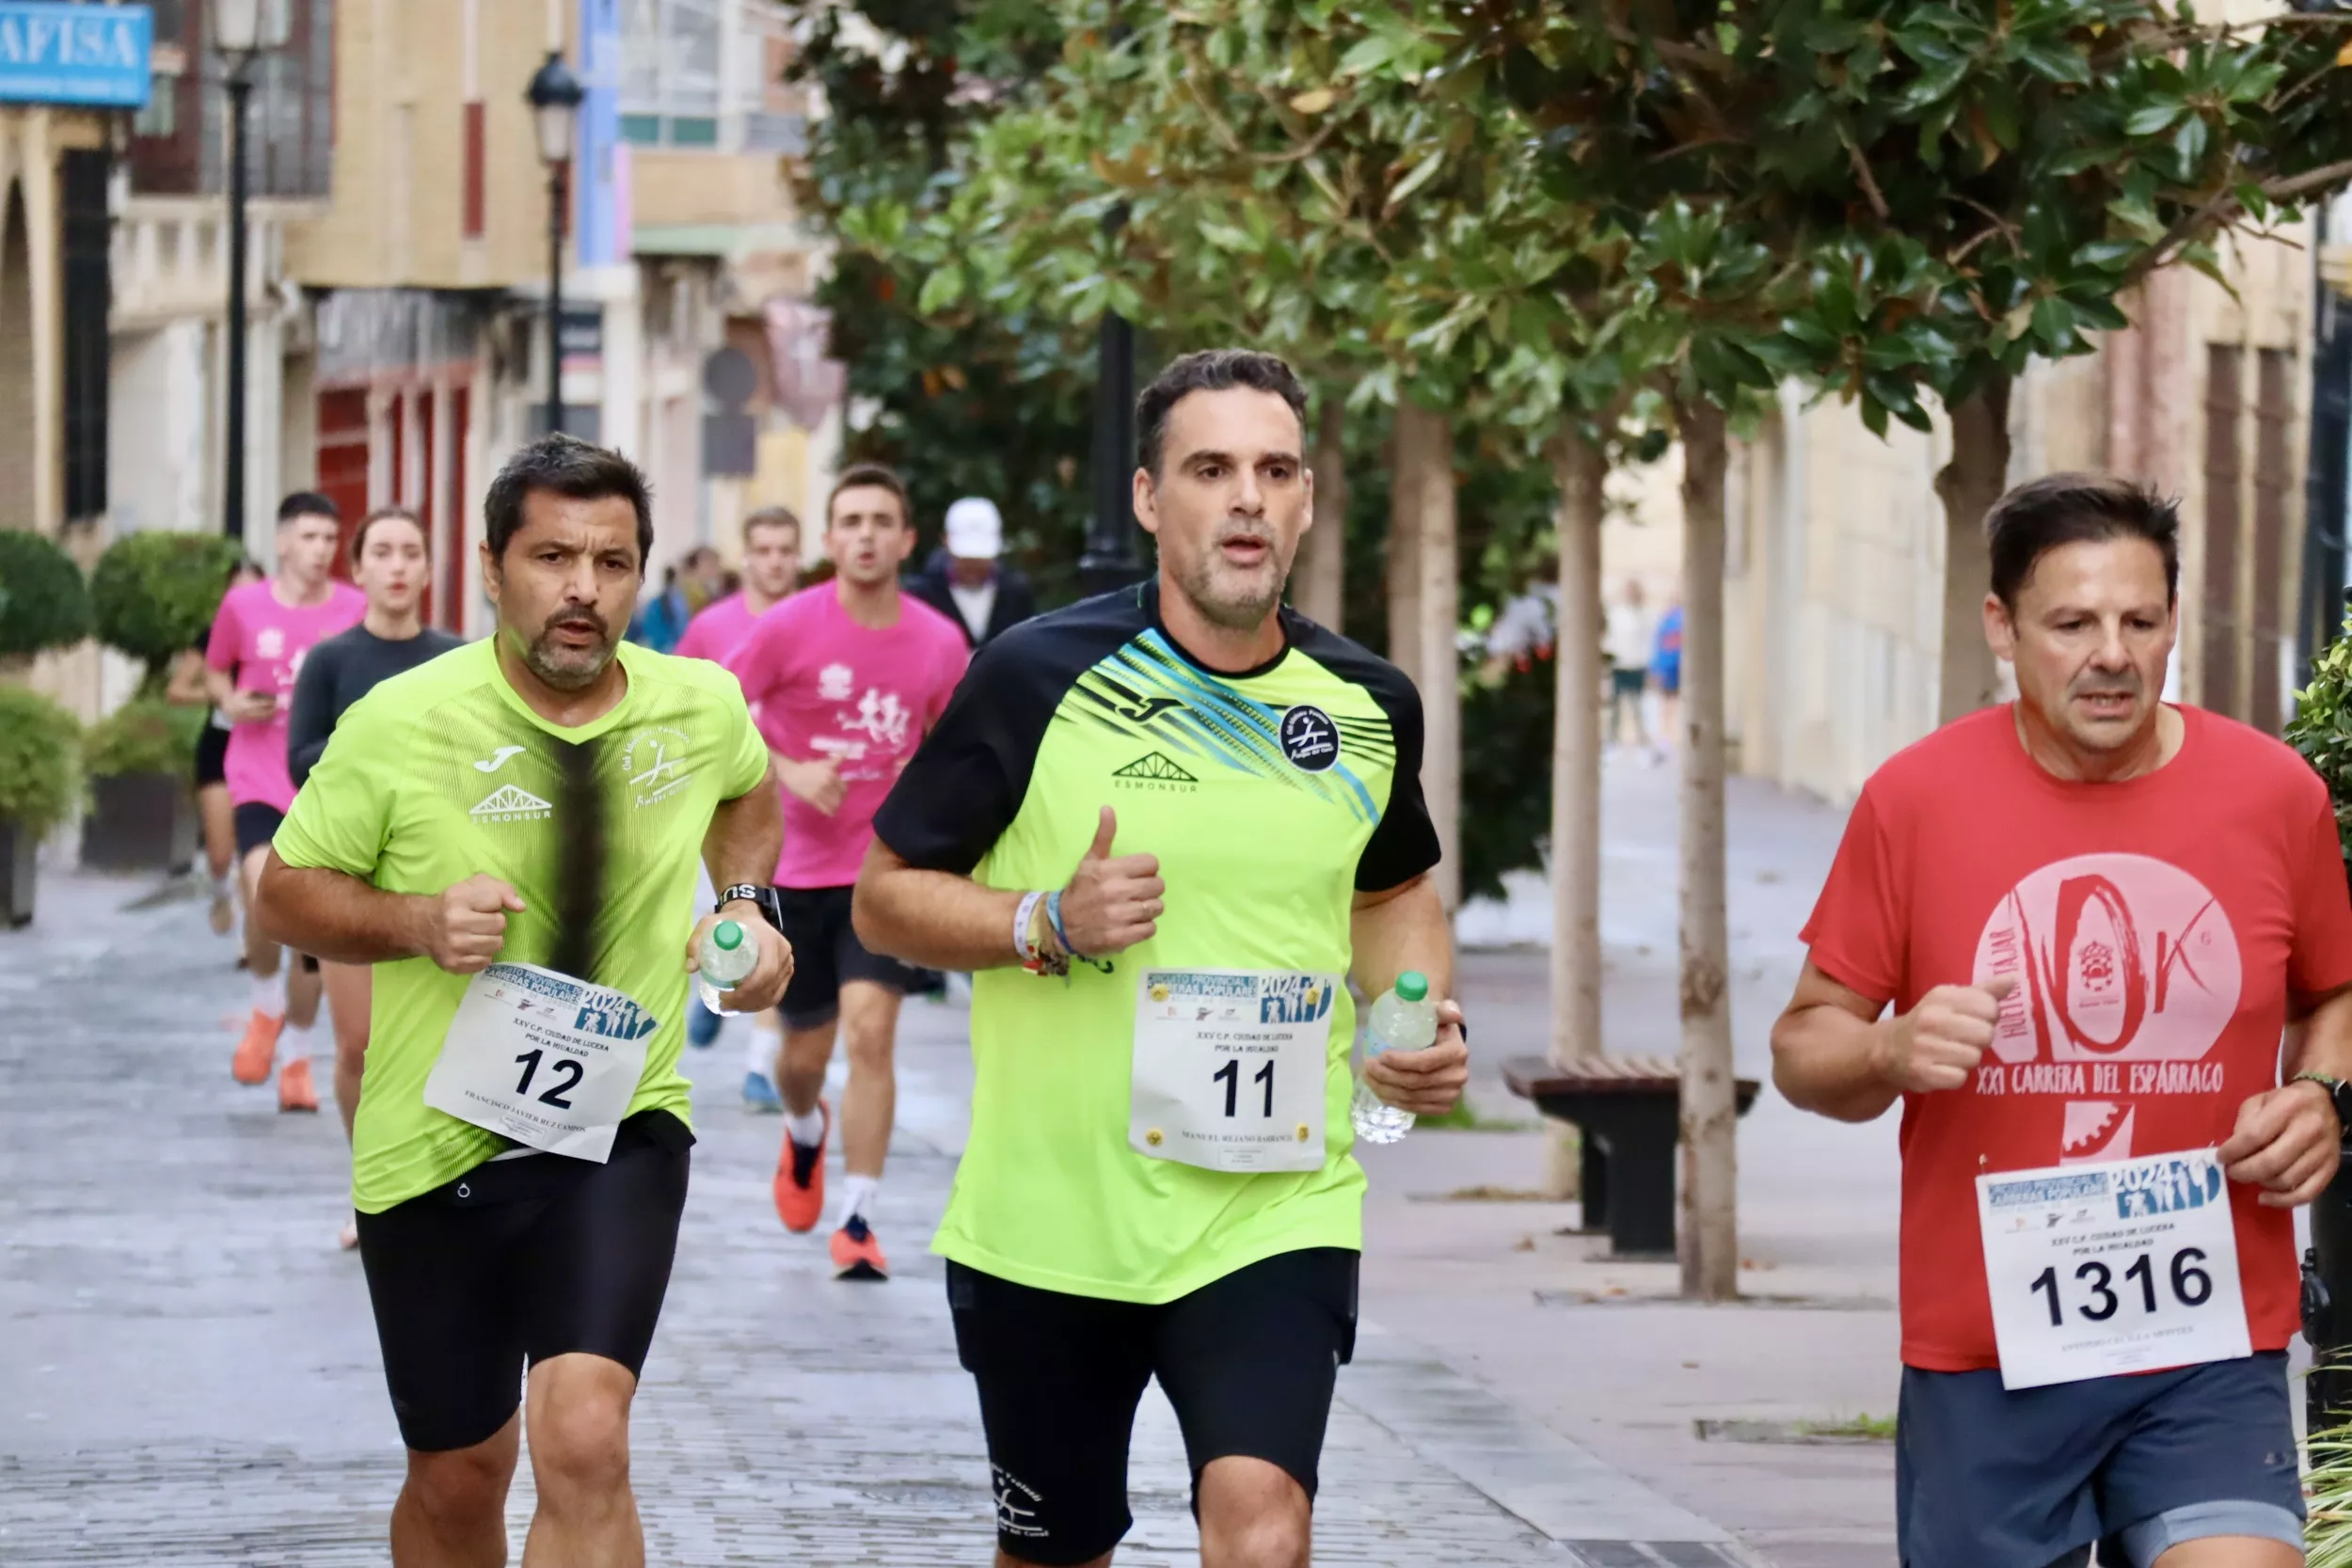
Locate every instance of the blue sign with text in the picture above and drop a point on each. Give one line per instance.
(94, 55)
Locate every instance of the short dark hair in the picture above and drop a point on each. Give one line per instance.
(774, 516)
(1212, 370)
(568, 466)
(307, 503)
(386, 514)
(876, 475)
(2044, 514)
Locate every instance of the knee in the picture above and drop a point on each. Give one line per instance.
(350, 1048)
(581, 1446)
(1257, 1515)
(869, 1048)
(461, 1488)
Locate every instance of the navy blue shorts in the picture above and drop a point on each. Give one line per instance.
(1989, 1479)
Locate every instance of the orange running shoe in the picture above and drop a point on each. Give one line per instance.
(257, 1051)
(855, 1253)
(294, 1092)
(801, 1178)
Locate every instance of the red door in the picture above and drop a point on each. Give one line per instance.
(343, 462)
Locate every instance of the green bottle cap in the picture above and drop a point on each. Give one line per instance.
(728, 935)
(1412, 986)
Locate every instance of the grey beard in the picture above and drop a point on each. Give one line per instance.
(564, 678)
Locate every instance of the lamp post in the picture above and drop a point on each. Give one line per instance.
(1111, 560)
(243, 30)
(555, 94)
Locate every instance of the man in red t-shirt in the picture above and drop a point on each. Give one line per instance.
(2092, 915)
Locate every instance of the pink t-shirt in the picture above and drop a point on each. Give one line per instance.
(820, 685)
(263, 641)
(717, 631)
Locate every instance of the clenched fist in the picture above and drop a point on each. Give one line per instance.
(463, 928)
(1937, 1045)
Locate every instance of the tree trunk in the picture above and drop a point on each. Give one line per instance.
(1709, 1240)
(1319, 576)
(1576, 761)
(1968, 486)
(1429, 471)
(1403, 551)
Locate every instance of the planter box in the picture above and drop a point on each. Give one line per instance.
(16, 867)
(139, 822)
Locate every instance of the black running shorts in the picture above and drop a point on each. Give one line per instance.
(826, 956)
(1248, 1361)
(515, 1261)
(257, 825)
(212, 756)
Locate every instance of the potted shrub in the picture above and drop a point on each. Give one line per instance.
(151, 596)
(43, 604)
(142, 816)
(40, 779)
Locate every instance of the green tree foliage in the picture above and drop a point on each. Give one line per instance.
(40, 760)
(146, 735)
(2322, 731)
(43, 604)
(154, 592)
(995, 407)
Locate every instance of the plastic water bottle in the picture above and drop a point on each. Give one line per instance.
(1404, 1019)
(728, 956)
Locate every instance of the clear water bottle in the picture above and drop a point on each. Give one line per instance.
(728, 954)
(1404, 1019)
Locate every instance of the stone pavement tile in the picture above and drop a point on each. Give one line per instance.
(191, 1375)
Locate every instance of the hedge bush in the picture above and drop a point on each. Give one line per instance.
(41, 779)
(155, 594)
(43, 603)
(145, 735)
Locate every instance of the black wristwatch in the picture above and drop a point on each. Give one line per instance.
(770, 902)
(2339, 1095)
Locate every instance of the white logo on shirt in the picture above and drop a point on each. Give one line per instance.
(656, 764)
(835, 683)
(510, 804)
(269, 643)
(497, 759)
(880, 718)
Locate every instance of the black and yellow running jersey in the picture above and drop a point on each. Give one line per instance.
(1271, 797)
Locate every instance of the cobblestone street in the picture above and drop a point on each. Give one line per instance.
(191, 1375)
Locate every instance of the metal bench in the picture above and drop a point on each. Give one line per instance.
(1628, 1112)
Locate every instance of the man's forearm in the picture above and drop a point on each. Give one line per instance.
(746, 837)
(2321, 1040)
(933, 919)
(336, 917)
(1825, 1060)
(1405, 929)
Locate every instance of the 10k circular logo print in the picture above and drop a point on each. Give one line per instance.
(1309, 739)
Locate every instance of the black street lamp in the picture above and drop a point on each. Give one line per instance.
(1110, 560)
(243, 31)
(555, 94)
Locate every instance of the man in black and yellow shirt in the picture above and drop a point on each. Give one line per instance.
(1164, 827)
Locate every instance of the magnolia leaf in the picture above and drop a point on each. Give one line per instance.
(1314, 100)
(1423, 173)
(941, 290)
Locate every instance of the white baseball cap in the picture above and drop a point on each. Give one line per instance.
(974, 531)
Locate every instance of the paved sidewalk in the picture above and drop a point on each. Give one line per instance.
(191, 1375)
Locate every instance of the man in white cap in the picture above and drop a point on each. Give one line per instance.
(963, 580)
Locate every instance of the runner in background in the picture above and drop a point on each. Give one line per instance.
(845, 678)
(1665, 675)
(215, 811)
(391, 564)
(2065, 934)
(964, 579)
(1626, 638)
(772, 570)
(258, 641)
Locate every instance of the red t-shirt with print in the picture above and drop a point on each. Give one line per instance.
(2156, 929)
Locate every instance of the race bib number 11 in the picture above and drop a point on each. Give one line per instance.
(2097, 1270)
(1230, 1066)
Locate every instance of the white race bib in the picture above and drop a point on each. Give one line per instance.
(546, 1059)
(2125, 1267)
(1230, 1068)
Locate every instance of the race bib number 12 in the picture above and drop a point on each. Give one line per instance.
(2098, 1270)
(546, 1059)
